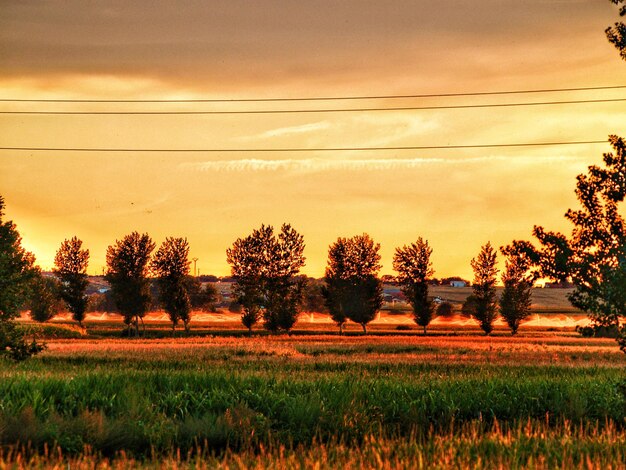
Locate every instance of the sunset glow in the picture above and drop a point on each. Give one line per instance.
(457, 199)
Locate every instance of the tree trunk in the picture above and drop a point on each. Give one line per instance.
(364, 325)
(424, 330)
(250, 331)
(341, 329)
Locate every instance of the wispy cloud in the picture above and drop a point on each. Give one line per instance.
(318, 165)
(306, 128)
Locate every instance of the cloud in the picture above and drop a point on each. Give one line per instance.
(283, 131)
(319, 165)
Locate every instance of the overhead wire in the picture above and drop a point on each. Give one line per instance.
(298, 149)
(326, 110)
(315, 98)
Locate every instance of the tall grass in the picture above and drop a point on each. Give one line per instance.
(300, 402)
(527, 444)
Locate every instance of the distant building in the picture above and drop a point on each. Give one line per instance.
(458, 284)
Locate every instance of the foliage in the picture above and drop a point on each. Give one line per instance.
(599, 239)
(127, 273)
(445, 309)
(13, 342)
(171, 265)
(617, 33)
(414, 270)
(313, 296)
(265, 268)
(71, 263)
(553, 259)
(202, 297)
(483, 303)
(44, 302)
(16, 269)
(353, 290)
(17, 273)
(594, 256)
(516, 296)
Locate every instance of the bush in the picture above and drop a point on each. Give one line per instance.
(445, 309)
(598, 331)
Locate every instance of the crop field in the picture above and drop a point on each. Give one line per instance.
(454, 398)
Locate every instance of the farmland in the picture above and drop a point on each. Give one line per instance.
(393, 398)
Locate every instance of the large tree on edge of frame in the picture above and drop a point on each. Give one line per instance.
(353, 290)
(616, 34)
(71, 263)
(412, 263)
(127, 273)
(17, 272)
(594, 256)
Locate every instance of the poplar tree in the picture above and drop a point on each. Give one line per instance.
(71, 263)
(412, 263)
(353, 290)
(171, 266)
(127, 273)
(266, 270)
(516, 296)
(483, 299)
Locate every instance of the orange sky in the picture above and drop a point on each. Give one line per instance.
(457, 199)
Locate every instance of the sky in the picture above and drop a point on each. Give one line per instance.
(457, 199)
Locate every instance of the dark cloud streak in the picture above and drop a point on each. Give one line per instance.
(237, 41)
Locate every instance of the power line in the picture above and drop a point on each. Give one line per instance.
(323, 149)
(303, 111)
(316, 98)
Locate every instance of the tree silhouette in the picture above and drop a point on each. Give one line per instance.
(71, 263)
(265, 268)
(616, 34)
(45, 299)
(414, 268)
(171, 266)
(483, 299)
(353, 290)
(127, 273)
(17, 273)
(202, 297)
(515, 300)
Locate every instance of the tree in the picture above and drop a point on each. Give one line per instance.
(171, 265)
(515, 300)
(593, 257)
(414, 270)
(617, 33)
(127, 273)
(71, 268)
(45, 300)
(202, 297)
(553, 259)
(598, 240)
(445, 309)
(17, 272)
(484, 288)
(265, 268)
(353, 290)
(17, 269)
(312, 296)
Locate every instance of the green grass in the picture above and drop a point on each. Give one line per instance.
(233, 399)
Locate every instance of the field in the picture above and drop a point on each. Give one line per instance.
(546, 398)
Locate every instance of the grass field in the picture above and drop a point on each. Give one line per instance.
(544, 399)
